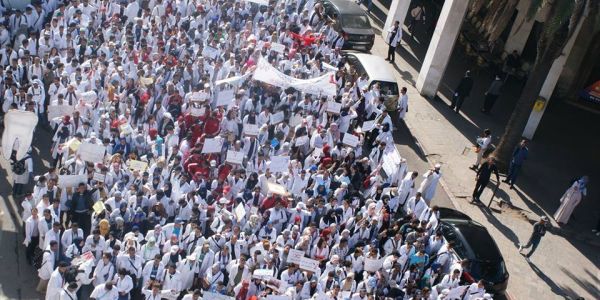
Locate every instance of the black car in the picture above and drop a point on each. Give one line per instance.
(473, 242)
(353, 21)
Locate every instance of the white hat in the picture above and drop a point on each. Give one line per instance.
(437, 166)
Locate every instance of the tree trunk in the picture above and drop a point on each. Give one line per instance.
(475, 8)
(501, 22)
(491, 10)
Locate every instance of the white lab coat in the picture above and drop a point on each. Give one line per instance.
(429, 184)
(397, 38)
(55, 285)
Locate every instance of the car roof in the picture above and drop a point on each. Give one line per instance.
(376, 67)
(347, 7)
(480, 242)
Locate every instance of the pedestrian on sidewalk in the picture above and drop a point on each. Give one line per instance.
(518, 158)
(570, 200)
(539, 230)
(483, 177)
(417, 17)
(481, 146)
(394, 37)
(402, 104)
(492, 94)
(463, 90)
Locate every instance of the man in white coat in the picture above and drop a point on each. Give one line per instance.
(56, 282)
(405, 191)
(187, 268)
(429, 184)
(394, 36)
(415, 205)
(171, 283)
(402, 103)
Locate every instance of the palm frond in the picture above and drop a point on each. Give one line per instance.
(534, 6)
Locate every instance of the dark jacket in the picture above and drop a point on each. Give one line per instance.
(465, 86)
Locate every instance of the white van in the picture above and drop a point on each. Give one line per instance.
(378, 71)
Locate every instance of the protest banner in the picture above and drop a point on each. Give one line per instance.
(225, 97)
(91, 152)
(98, 207)
(295, 256)
(277, 118)
(198, 97)
(136, 165)
(73, 144)
(372, 265)
(334, 107)
(99, 177)
(295, 120)
(59, 111)
(350, 140)
(87, 256)
(215, 296)
(251, 129)
(197, 111)
(263, 273)
(368, 126)
(277, 297)
(276, 188)
(213, 145)
(277, 47)
(211, 52)
(65, 181)
(309, 265)
(235, 157)
(302, 140)
(235, 80)
(88, 97)
(260, 2)
(279, 163)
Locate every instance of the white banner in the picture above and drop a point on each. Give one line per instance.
(334, 107)
(350, 140)
(55, 111)
(276, 188)
(65, 181)
(277, 47)
(277, 118)
(91, 152)
(136, 165)
(251, 129)
(213, 145)
(309, 265)
(260, 2)
(372, 265)
(295, 256)
(279, 163)
(323, 85)
(235, 80)
(225, 97)
(211, 52)
(235, 157)
(368, 126)
(240, 212)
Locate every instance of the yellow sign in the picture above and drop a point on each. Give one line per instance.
(539, 104)
(98, 207)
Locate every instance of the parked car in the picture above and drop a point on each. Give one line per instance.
(473, 242)
(353, 21)
(378, 71)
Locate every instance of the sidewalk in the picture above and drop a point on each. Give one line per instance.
(432, 124)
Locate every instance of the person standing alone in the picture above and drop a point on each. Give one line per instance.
(539, 230)
(393, 38)
(462, 91)
(483, 177)
(492, 95)
(518, 158)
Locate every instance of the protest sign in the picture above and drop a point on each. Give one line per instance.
(125, 129)
(99, 177)
(302, 140)
(83, 258)
(260, 2)
(350, 140)
(211, 52)
(197, 111)
(276, 188)
(295, 120)
(240, 212)
(136, 165)
(65, 181)
(276, 284)
(98, 207)
(73, 144)
(235, 80)
(309, 265)
(334, 107)
(368, 126)
(198, 97)
(277, 118)
(88, 97)
(235, 157)
(56, 111)
(295, 256)
(276, 297)
(279, 163)
(372, 265)
(277, 47)
(91, 152)
(263, 273)
(213, 145)
(251, 129)
(215, 296)
(225, 97)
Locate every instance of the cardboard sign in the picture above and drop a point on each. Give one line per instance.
(125, 129)
(73, 144)
(211, 52)
(368, 126)
(213, 145)
(372, 265)
(295, 256)
(309, 265)
(295, 120)
(350, 140)
(301, 140)
(99, 177)
(277, 47)
(91, 152)
(240, 212)
(225, 97)
(334, 107)
(276, 188)
(197, 112)
(215, 296)
(251, 129)
(198, 97)
(235, 157)
(98, 207)
(136, 165)
(260, 2)
(263, 273)
(279, 163)
(56, 111)
(65, 181)
(277, 118)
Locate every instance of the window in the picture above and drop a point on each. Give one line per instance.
(356, 21)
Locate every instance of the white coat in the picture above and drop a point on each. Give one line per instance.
(55, 285)
(171, 285)
(429, 184)
(397, 38)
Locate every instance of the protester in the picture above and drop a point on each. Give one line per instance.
(214, 147)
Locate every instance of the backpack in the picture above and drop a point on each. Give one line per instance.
(19, 166)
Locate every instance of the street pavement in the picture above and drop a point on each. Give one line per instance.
(562, 267)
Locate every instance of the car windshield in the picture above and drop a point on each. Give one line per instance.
(480, 242)
(355, 21)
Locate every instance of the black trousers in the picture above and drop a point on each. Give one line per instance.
(479, 187)
(84, 220)
(391, 53)
(457, 102)
(489, 102)
(35, 240)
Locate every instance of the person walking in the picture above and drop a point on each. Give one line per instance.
(462, 91)
(539, 230)
(518, 157)
(417, 16)
(394, 37)
(402, 103)
(492, 94)
(570, 200)
(483, 177)
(481, 146)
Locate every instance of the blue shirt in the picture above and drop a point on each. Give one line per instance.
(519, 155)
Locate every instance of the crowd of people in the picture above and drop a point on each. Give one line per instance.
(284, 208)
